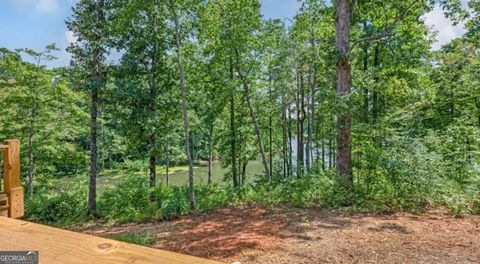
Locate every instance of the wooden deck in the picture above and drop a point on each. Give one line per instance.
(61, 246)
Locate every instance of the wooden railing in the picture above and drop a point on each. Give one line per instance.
(62, 246)
(11, 199)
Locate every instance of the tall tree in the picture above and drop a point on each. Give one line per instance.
(174, 8)
(343, 87)
(38, 108)
(89, 25)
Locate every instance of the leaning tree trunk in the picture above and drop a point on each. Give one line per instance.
(184, 108)
(246, 91)
(343, 87)
(257, 129)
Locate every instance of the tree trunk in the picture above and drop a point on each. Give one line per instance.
(97, 83)
(184, 108)
(284, 139)
(31, 130)
(300, 126)
(270, 134)
(31, 169)
(309, 134)
(152, 140)
(312, 124)
(246, 91)
(365, 90)
(233, 136)
(330, 152)
(210, 146)
(92, 187)
(375, 105)
(167, 160)
(244, 170)
(313, 84)
(290, 148)
(343, 87)
(257, 128)
(322, 137)
(152, 161)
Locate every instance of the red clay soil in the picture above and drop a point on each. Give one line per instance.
(284, 235)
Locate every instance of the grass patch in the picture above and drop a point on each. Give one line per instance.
(145, 238)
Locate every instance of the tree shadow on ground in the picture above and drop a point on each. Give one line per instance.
(229, 232)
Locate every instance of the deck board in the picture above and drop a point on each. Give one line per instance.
(63, 246)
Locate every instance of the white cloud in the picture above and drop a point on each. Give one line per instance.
(70, 37)
(444, 27)
(46, 6)
(41, 6)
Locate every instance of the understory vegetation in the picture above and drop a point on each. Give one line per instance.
(407, 178)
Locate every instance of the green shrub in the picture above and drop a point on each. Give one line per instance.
(173, 201)
(58, 206)
(129, 200)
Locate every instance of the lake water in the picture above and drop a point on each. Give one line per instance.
(200, 173)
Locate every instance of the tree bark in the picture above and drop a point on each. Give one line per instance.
(97, 83)
(246, 90)
(31, 164)
(309, 134)
(300, 126)
(312, 124)
(244, 170)
(322, 137)
(284, 139)
(152, 140)
(184, 108)
(167, 160)
(233, 136)
(290, 148)
(152, 161)
(375, 102)
(343, 87)
(210, 146)
(330, 152)
(365, 90)
(92, 187)
(270, 133)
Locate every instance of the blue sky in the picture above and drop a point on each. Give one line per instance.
(36, 23)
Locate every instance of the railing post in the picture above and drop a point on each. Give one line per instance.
(11, 178)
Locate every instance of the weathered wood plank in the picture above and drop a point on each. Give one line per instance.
(63, 246)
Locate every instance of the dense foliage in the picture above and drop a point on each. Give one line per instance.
(256, 90)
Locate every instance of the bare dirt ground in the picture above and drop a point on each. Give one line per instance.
(283, 235)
